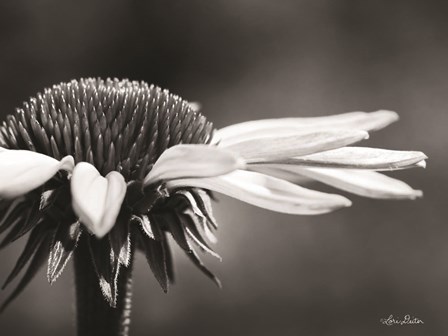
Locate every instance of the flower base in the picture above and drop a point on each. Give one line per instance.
(94, 315)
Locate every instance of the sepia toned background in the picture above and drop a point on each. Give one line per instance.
(336, 274)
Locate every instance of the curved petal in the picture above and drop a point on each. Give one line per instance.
(276, 148)
(361, 182)
(116, 192)
(280, 171)
(270, 127)
(22, 171)
(267, 192)
(97, 200)
(360, 158)
(184, 161)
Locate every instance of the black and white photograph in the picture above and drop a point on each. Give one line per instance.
(216, 168)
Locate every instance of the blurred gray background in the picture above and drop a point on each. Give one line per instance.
(336, 274)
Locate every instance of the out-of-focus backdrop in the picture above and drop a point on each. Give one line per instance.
(336, 274)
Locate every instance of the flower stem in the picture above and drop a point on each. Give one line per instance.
(94, 315)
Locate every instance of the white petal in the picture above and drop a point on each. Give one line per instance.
(22, 171)
(116, 192)
(281, 171)
(96, 199)
(267, 192)
(89, 190)
(183, 161)
(276, 148)
(272, 127)
(421, 164)
(361, 158)
(362, 182)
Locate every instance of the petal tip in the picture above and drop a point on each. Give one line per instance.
(100, 234)
(416, 194)
(391, 115)
(343, 202)
(421, 164)
(67, 163)
(116, 175)
(347, 203)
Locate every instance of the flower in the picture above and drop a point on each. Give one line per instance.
(120, 165)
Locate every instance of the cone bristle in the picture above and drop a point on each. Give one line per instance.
(113, 123)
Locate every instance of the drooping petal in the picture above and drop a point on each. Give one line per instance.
(116, 192)
(97, 200)
(281, 171)
(360, 158)
(89, 190)
(183, 161)
(22, 171)
(281, 147)
(267, 192)
(271, 127)
(362, 182)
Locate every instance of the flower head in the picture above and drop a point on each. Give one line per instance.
(122, 164)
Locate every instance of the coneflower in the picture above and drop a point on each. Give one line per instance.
(99, 169)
